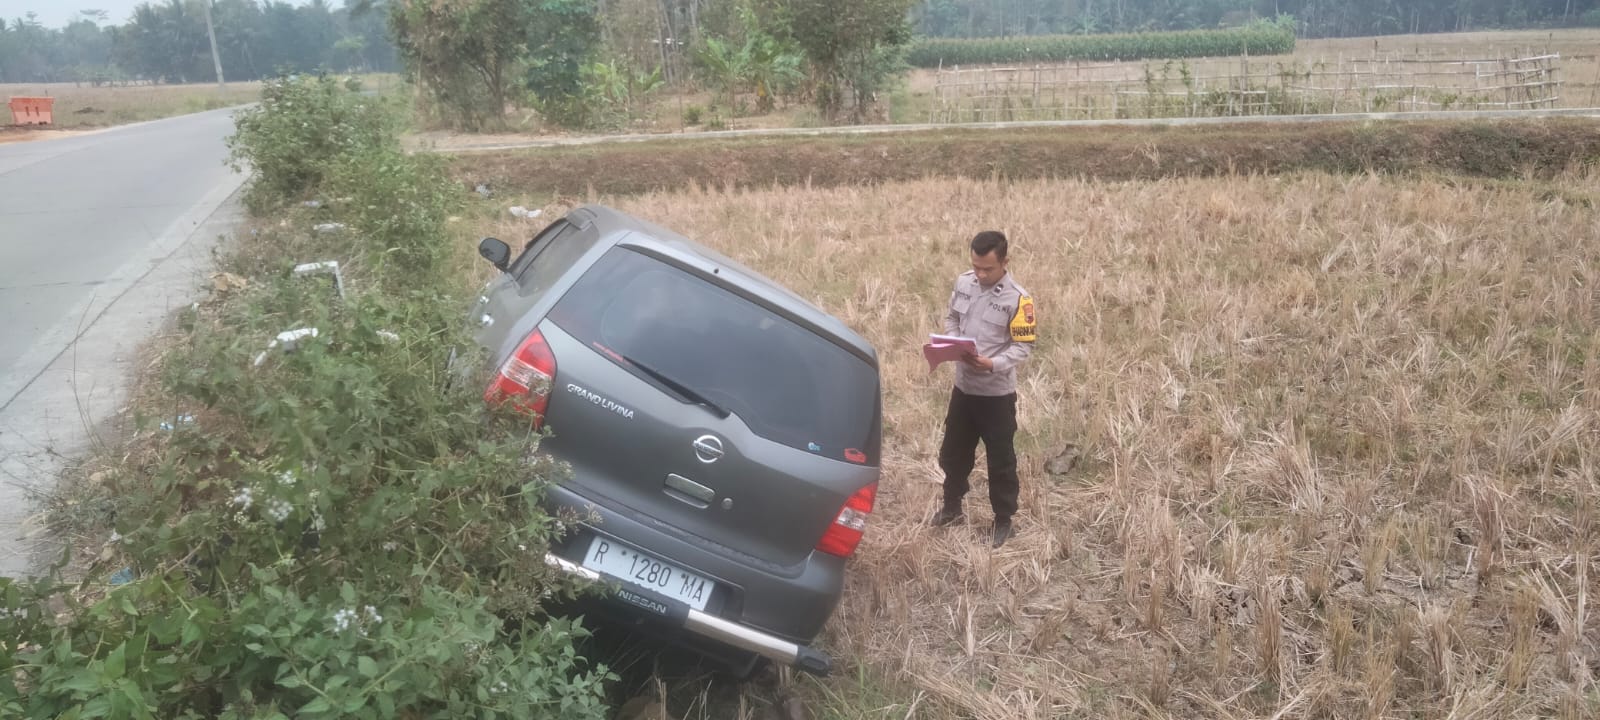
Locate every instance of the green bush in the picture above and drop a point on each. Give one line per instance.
(396, 204)
(338, 535)
(300, 127)
(344, 530)
(1260, 38)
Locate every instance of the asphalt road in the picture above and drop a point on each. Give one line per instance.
(102, 236)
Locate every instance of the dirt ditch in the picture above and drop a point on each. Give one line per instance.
(1542, 148)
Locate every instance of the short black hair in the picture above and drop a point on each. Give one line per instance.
(989, 241)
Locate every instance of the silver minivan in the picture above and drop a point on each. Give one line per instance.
(724, 432)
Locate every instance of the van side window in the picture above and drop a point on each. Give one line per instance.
(548, 257)
(537, 245)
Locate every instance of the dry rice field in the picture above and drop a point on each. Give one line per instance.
(80, 106)
(1337, 444)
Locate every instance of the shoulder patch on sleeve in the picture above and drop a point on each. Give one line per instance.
(1023, 326)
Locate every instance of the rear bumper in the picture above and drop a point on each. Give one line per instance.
(790, 603)
(709, 626)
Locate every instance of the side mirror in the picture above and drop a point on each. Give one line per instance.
(496, 252)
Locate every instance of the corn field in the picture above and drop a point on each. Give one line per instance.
(1262, 38)
(1372, 83)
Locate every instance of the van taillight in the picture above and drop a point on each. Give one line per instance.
(845, 533)
(524, 378)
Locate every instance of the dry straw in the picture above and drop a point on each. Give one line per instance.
(1336, 434)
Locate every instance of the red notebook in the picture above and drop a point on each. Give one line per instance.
(943, 348)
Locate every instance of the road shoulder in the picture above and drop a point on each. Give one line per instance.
(67, 409)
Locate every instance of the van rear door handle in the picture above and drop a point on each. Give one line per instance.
(689, 491)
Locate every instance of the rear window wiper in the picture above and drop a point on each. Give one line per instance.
(679, 388)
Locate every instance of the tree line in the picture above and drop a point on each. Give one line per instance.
(590, 62)
(167, 42)
(1314, 18)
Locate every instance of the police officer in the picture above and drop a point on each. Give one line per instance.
(991, 308)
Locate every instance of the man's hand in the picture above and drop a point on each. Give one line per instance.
(979, 362)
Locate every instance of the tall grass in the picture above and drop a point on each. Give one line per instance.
(1338, 443)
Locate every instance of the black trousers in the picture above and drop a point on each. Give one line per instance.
(994, 421)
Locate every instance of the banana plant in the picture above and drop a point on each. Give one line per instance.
(771, 68)
(617, 91)
(726, 65)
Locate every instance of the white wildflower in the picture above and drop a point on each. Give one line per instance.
(244, 498)
(343, 618)
(279, 510)
(391, 546)
(372, 615)
(287, 478)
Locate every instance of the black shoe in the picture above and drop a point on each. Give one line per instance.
(947, 516)
(1002, 531)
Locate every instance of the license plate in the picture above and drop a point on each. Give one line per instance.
(634, 567)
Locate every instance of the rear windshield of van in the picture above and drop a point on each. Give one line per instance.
(786, 382)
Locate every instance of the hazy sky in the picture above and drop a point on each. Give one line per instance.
(56, 13)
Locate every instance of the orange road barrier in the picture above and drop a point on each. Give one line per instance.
(33, 110)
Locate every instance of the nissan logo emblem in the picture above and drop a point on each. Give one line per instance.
(708, 448)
